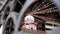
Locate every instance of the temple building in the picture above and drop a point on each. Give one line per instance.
(34, 16)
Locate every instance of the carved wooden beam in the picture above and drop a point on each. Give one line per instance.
(47, 18)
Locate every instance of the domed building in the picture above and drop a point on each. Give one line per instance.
(20, 15)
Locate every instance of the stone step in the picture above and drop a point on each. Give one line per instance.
(33, 32)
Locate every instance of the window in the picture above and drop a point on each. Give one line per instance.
(22, 1)
(17, 7)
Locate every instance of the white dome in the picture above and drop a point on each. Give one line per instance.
(29, 19)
